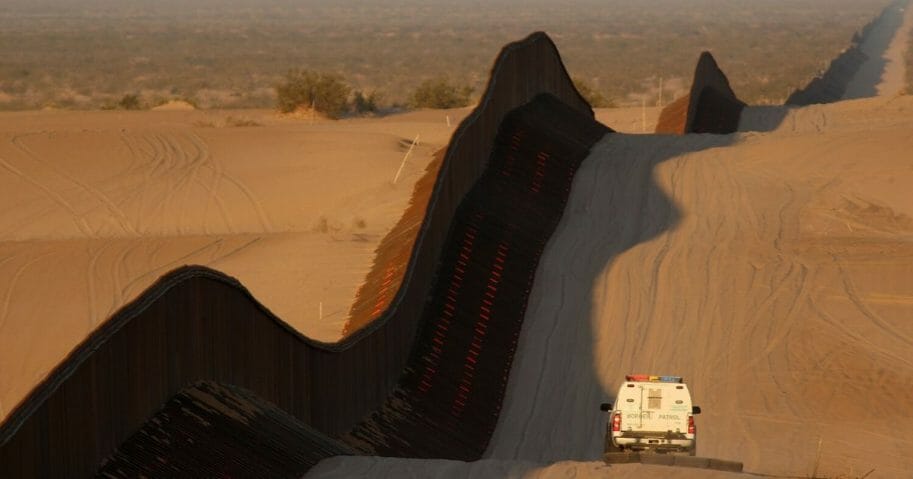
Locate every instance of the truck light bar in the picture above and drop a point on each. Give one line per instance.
(654, 379)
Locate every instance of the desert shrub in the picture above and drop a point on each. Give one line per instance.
(325, 92)
(129, 101)
(322, 225)
(593, 97)
(440, 93)
(365, 104)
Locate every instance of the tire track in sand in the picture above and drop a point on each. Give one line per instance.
(857, 338)
(215, 245)
(178, 177)
(850, 289)
(81, 224)
(138, 153)
(90, 279)
(138, 167)
(14, 279)
(190, 164)
(116, 212)
(222, 173)
(217, 175)
(178, 163)
(161, 165)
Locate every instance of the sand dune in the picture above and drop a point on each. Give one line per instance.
(174, 105)
(762, 271)
(772, 270)
(97, 206)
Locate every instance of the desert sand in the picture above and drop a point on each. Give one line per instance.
(174, 105)
(97, 205)
(363, 467)
(629, 119)
(771, 269)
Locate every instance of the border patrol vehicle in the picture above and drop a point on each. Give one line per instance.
(651, 413)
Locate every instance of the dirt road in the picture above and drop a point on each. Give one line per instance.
(883, 72)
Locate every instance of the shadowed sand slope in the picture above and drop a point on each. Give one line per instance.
(196, 323)
(710, 107)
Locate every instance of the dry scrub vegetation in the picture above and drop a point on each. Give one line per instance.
(232, 53)
(909, 62)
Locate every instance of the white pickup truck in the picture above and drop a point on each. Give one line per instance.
(651, 413)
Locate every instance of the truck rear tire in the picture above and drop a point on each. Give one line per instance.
(609, 447)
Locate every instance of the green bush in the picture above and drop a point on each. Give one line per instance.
(129, 102)
(365, 104)
(439, 93)
(593, 97)
(325, 92)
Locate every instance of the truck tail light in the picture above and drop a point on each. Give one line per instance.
(616, 422)
(690, 424)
